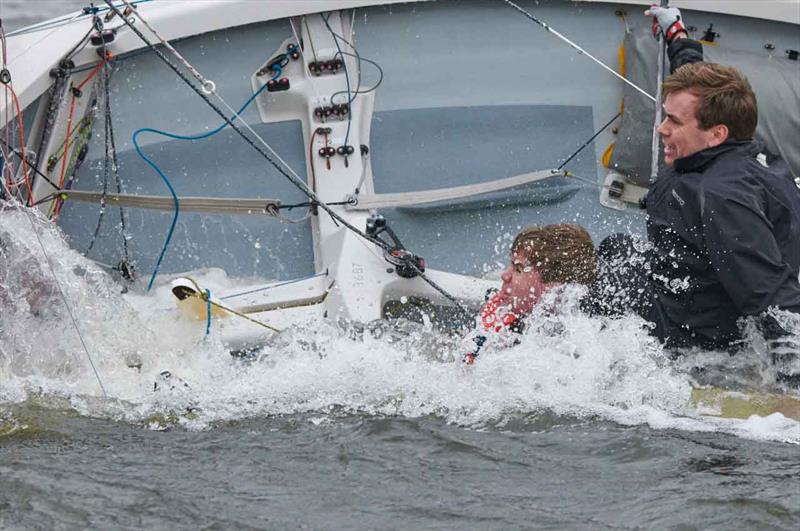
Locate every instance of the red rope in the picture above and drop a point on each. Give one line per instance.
(64, 158)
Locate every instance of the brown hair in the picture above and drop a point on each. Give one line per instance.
(561, 252)
(725, 97)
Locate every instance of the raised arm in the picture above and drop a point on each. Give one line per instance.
(681, 49)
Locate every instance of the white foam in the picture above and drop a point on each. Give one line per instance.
(567, 364)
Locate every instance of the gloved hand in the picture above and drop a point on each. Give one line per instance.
(667, 20)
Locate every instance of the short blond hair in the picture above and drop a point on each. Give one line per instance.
(561, 253)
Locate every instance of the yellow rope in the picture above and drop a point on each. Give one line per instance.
(204, 297)
(234, 312)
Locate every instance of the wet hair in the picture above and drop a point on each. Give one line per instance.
(725, 97)
(561, 253)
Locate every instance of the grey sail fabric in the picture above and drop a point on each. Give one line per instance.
(774, 80)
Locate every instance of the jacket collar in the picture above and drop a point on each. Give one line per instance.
(698, 162)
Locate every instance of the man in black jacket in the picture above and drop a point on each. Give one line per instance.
(723, 225)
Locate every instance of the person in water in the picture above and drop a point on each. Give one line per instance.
(542, 259)
(723, 220)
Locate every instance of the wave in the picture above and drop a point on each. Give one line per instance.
(160, 372)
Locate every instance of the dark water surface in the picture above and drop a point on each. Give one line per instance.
(344, 471)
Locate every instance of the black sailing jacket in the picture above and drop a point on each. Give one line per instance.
(726, 236)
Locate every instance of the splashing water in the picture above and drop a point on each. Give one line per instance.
(566, 364)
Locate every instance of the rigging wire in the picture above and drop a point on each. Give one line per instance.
(208, 85)
(608, 124)
(29, 48)
(80, 45)
(76, 92)
(310, 40)
(166, 180)
(266, 288)
(63, 21)
(6, 163)
(61, 292)
(9, 87)
(579, 49)
(283, 170)
(115, 162)
(33, 168)
(110, 143)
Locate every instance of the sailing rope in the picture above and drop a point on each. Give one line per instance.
(579, 49)
(208, 85)
(205, 296)
(284, 170)
(109, 160)
(608, 124)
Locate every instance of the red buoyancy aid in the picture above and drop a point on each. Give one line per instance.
(494, 317)
(494, 321)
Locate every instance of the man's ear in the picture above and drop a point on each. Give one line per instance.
(719, 134)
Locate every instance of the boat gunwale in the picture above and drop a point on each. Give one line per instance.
(181, 19)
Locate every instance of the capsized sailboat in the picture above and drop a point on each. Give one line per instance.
(349, 159)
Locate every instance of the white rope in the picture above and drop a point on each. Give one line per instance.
(581, 50)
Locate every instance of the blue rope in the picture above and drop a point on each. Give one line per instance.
(164, 177)
(208, 311)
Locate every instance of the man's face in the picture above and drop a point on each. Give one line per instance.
(680, 130)
(522, 285)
